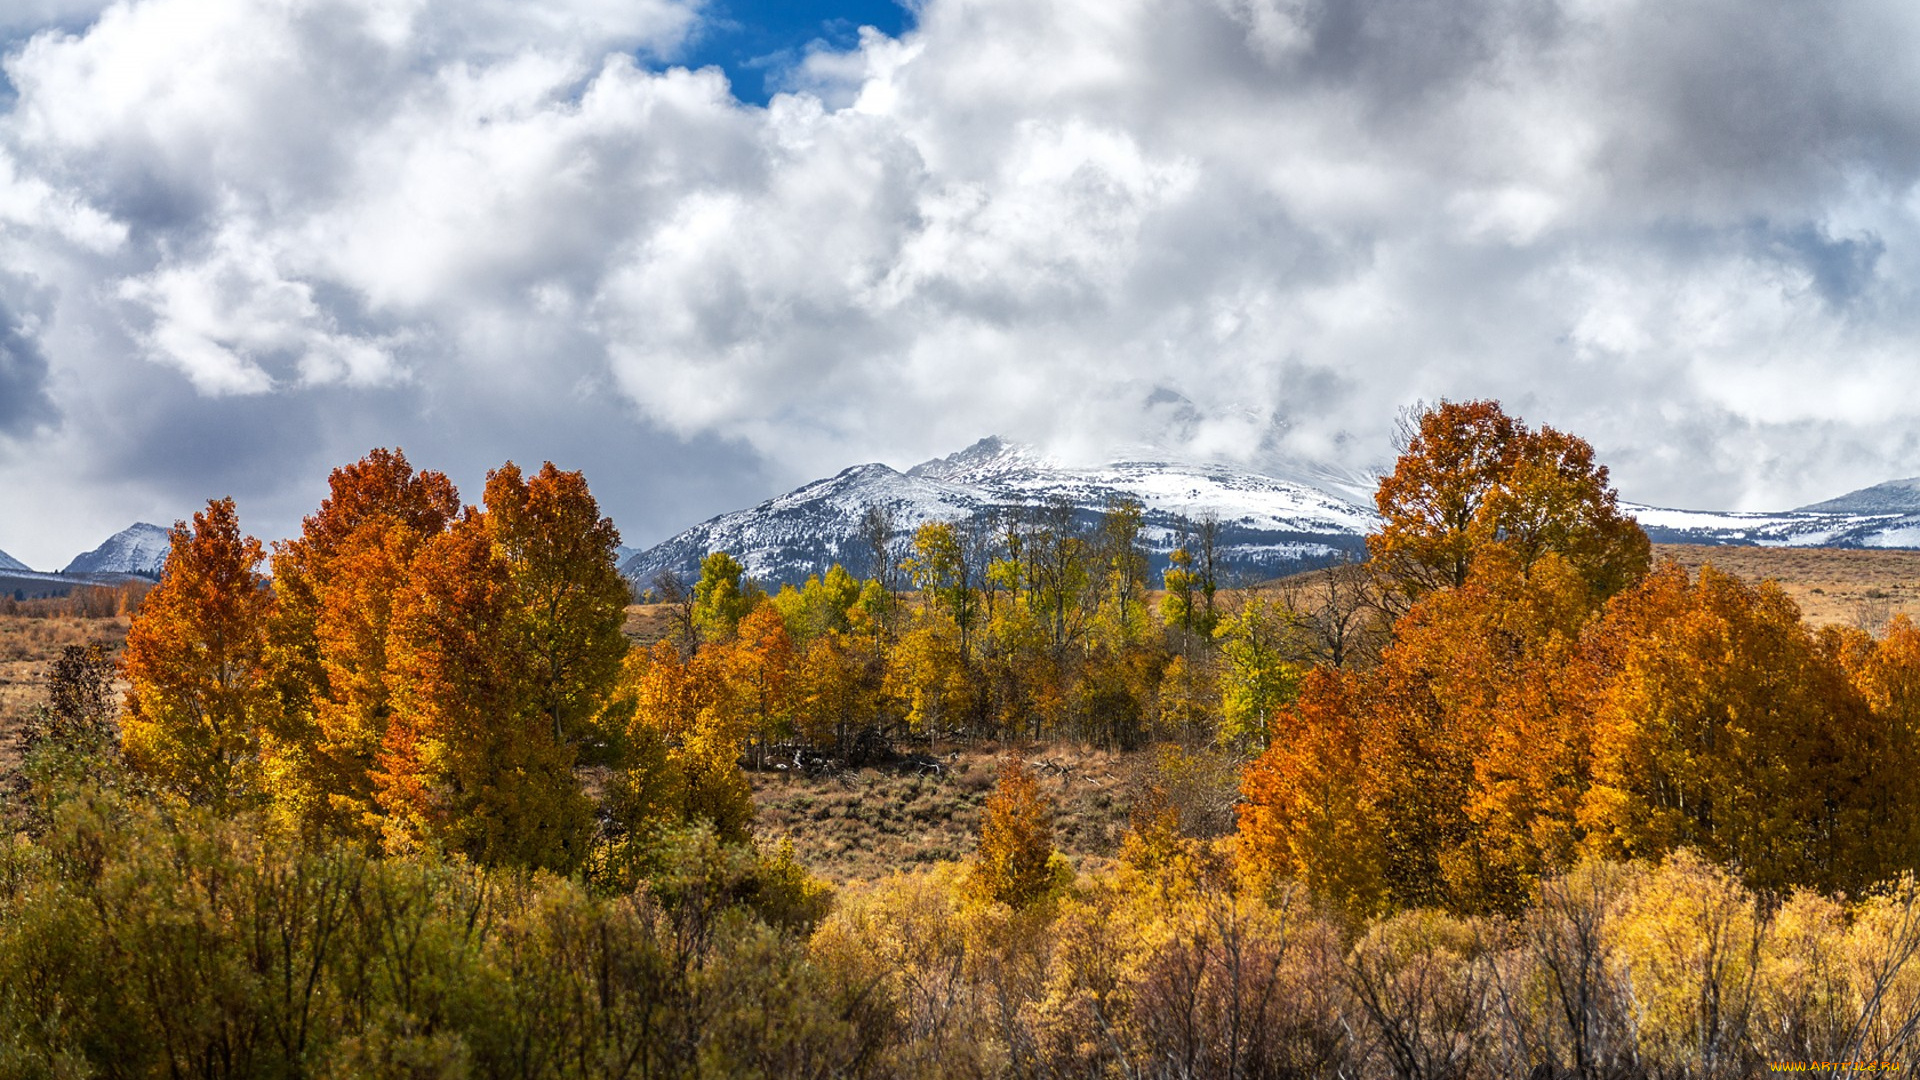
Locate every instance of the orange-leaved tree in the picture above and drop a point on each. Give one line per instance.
(335, 586)
(469, 760)
(1471, 476)
(198, 698)
(1015, 863)
(504, 652)
(1450, 773)
(1721, 724)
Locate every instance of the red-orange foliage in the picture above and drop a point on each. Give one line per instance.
(1472, 476)
(1423, 780)
(1505, 733)
(195, 661)
(336, 586)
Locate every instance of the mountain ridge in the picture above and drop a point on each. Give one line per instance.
(1892, 496)
(1267, 525)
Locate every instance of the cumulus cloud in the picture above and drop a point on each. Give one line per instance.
(1236, 228)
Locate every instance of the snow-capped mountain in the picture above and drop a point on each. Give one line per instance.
(139, 550)
(1267, 526)
(1882, 516)
(1787, 528)
(9, 563)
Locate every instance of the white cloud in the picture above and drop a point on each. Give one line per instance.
(1686, 232)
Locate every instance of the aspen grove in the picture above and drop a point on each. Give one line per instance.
(399, 797)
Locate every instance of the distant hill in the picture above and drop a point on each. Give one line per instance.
(1267, 526)
(139, 550)
(9, 563)
(1892, 497)
(1786, 528)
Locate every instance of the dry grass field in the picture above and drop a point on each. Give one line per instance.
(28, 643)
(1850, 587)
(861, 824)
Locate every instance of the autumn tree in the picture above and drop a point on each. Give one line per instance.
(1450, 774)
(948, 569)
(760, 664)
(721, 597)
(198, 697)
(822, 605)
(1015, 863)
(335, 586)
(1307, 810)
(1057, 558)
(1471, 476)
(1720, 724)
(833, 694)
(470, 760)
(1261, 653)
(686, 734)
(569, 598)
(1122, 612)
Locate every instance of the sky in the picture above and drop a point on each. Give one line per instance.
(705, 252)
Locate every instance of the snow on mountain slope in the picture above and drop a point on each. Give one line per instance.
(1892, 497)
(1233, 495)
(1788, 528)
(8, 562)
(1267, 526)
(810, 528)
(139, 549)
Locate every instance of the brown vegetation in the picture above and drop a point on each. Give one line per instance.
(1858, 587)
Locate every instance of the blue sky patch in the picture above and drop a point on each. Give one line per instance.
(757, 41)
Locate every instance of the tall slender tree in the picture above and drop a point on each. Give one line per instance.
(336, 585)
(198, 698)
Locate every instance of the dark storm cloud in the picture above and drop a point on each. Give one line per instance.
(24, 402)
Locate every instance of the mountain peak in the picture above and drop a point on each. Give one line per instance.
(1268, 526)
(990, 457)
(139, 549)
(8, 562)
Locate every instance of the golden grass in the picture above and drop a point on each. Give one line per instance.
(864, 823)
(28, 644)
(1849, 587)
